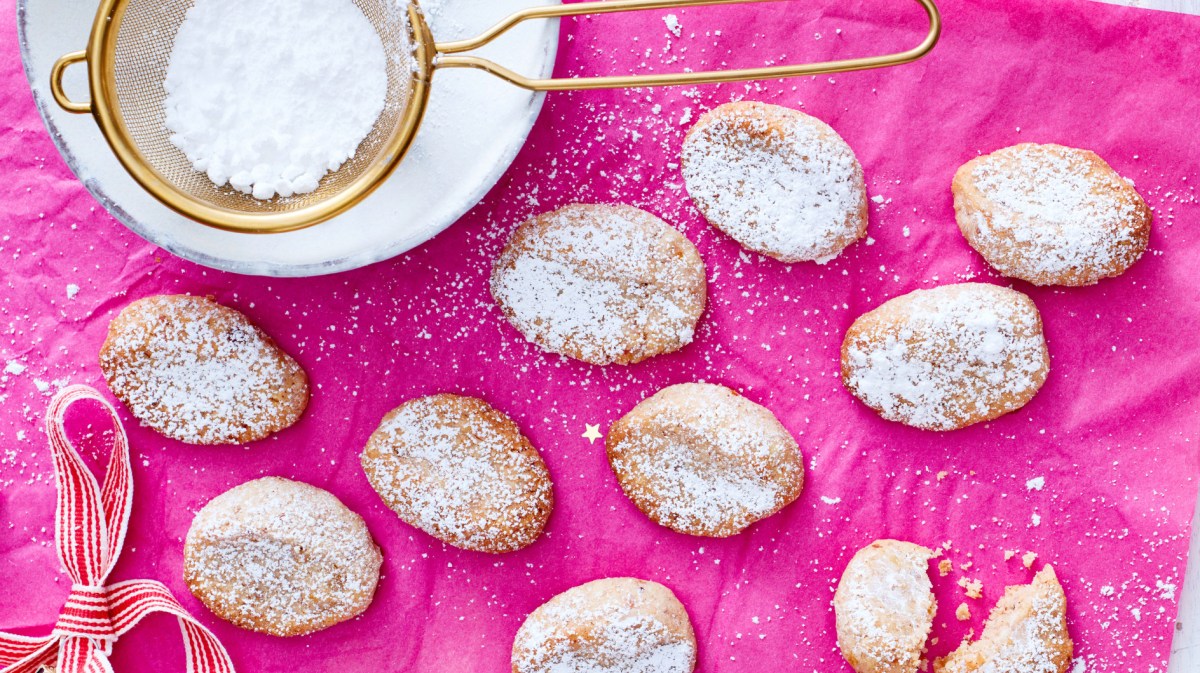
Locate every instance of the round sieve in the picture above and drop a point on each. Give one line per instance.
(130, 47)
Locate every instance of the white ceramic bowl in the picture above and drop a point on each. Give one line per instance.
(473, 129)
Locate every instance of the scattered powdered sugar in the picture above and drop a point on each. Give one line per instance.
(607, 626)
(1055, 212)
(459, 470)
(776, 180)
(200, 372)
(269, 97)
(282, 557)
(885, 605)
(705, 460)
(937, 359)
(602, 284)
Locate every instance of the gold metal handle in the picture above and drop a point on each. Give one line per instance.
(447, 59)
(56, 83)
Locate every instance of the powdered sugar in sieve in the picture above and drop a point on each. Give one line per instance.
(268, 98)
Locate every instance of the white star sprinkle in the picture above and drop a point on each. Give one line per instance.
(592, 433)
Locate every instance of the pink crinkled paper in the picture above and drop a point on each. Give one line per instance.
(1097, 475)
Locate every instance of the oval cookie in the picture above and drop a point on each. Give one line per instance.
(612, 625)
(1051, 215)
(601, 284)
(884, 606)
(776, 180)
(200, 372)
(947, 358)
(702, 460)
(461, 471)
(281, 557)
(1027, 631)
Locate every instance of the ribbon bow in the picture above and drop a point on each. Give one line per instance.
(89, 526)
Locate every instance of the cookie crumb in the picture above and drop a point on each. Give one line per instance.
(973, 588)
(944, 567)
(1028, 559)
(963, 613)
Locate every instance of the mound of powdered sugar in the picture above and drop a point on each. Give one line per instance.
(269, 97)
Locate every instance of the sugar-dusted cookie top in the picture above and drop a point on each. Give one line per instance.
(460, 470)
(884, 607)
(1051, 215)
(947, 358)
(200, 372)
(776, 180)
(281, 557)
(601, 284)
(1025, 633)
(617, 625)
(701, 459)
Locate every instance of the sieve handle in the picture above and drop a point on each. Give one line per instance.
(56, 83)
(446, 51)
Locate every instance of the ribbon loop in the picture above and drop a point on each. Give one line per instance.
(91, 521)
(89, 526)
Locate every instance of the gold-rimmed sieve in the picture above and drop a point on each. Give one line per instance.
(130, 47)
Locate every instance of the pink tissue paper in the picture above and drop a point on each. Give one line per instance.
(1097, 475)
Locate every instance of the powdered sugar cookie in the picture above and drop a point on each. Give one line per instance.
(460, 470)
(601, 284)
(702, 460)
(778, 181)
(884, 607)
(1051, 215)
(1026, 632)
(200, 372)
(947, 358)
(617, 625)
(281, 557)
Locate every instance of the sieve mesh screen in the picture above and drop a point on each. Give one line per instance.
(145, 31)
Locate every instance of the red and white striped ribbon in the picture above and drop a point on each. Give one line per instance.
(89, 526)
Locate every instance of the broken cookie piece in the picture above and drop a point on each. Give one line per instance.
(884, 607)
(1026, 632)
